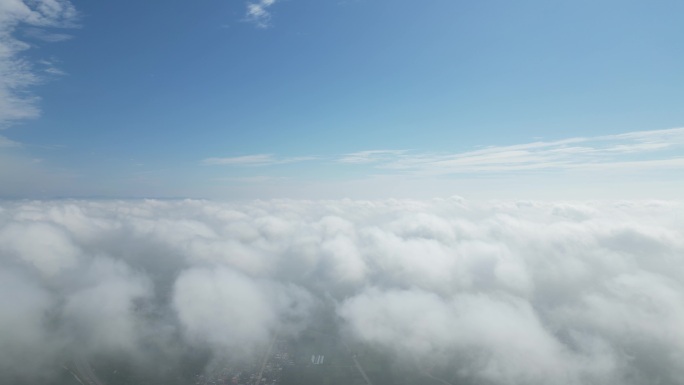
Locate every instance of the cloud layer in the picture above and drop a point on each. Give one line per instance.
(480, 293)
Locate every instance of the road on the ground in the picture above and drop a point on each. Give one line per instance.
(84, 371)
(266, 358)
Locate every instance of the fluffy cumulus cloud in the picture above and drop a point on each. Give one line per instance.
(457, 291)
(253, 310)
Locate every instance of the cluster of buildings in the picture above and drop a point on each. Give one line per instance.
(270, 373)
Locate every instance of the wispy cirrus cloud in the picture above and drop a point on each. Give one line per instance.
(253, 179)
(255, 160)
(636, 150)
(50, 37)
(642, 163)
(640, 149)
(5, 143)
(258, 13)
(370, 156)
(17, 73)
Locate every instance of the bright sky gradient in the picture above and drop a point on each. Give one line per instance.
(235, 99)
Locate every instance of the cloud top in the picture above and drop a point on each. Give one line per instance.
(483, 293)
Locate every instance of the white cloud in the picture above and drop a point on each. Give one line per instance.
(258, 159)
(500, 337)
(632, 151)
(256, 179)
(258, 13)
(101, 307)
(622, 151)
(501, 292)
(255, 160)
(17, 74)
(371, 156)
(634, 165)
(26, 346)
(50, 37)
(236, 312)
(44, 246)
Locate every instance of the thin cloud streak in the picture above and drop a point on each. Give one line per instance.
(252, 179)
(611, 151)
(371, 156)
(6, 143)
(641, 149)
(255, 160)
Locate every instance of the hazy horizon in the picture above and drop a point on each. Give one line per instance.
(318, 99)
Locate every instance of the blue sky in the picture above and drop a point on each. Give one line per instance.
(321, 99)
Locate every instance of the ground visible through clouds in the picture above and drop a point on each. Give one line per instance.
(342, 292)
